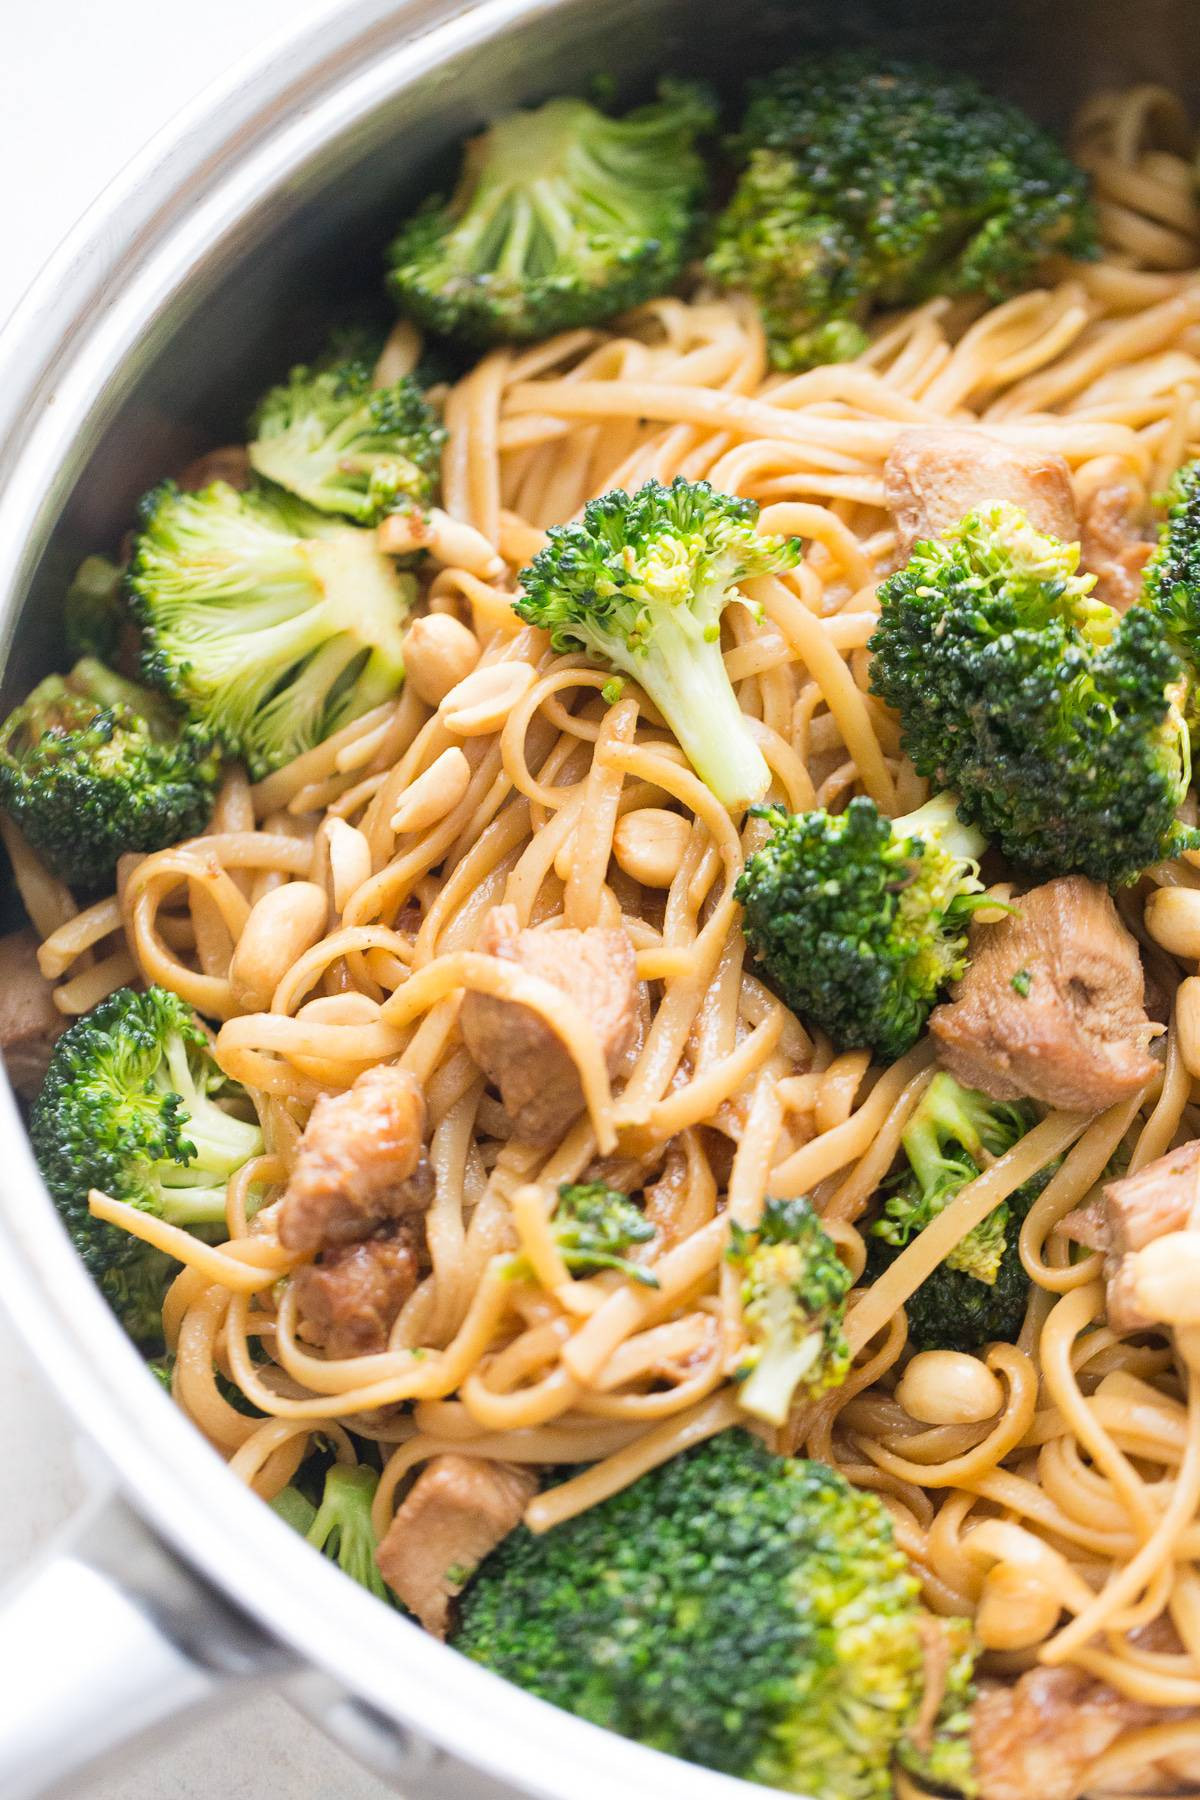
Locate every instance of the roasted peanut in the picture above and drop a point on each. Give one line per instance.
(649, 845)
(1173, 920)
(1187, 1023)
(349, 860)
(947, 1387)
(433, 794)
(484, 700)
(281, 927)
(1016, 1609)
(439, 652)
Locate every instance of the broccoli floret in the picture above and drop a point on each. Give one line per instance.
(1172, 580)
(870, 184)
(948, 1140)
(341, 1526)
(561, 217)
(794, 1288)
(134, 1104)
(94, 615)
(1058, 722)
(641, 583)
(858, 921)
(979, 1294)
(273, 624)
(92, 765)
(331, 438)
(748, 1612)
(594, 1226)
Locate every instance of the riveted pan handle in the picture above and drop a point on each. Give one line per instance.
(110, 1640)
(107, 1640)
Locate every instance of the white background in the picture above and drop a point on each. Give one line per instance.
(82, 86)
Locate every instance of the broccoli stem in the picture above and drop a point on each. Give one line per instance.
(685, 677)
(194, 1193)
(342, 1528)
(938, 819)
(771, 1386)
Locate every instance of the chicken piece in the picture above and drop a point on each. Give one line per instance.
(936, 474)
(515, 1048)
(457, 1511)
(1131, 1213)
(1112, 547)
(1035, 1739)
(1074, 1032)
(30, 1023)
(360, 1163)
(348, 1302)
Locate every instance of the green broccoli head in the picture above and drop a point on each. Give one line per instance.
(878, 184)
(343, 446)
(640, 583)
(562, 217)
(950, 1137)
(748, 1612)
(134, 1104)
(794, 1288)
(94, 615)
(858, 922)
(1172, 581)
(979, 1294)
(1058, 722)
(92, 765)
(341, 1526)
(594, 1227)
(274, 625)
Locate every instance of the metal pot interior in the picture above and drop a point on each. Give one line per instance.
(298, 237)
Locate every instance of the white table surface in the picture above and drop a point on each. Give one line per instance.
(82, 86)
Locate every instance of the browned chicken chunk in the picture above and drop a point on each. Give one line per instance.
(935, 474)
(1131, 1213)
(457, 1511)
(1112, 547)
(360, 1163)
(348, 1302)
(1036, 1739)
(515, 1048)
(1073, 1031)
(30, 1023)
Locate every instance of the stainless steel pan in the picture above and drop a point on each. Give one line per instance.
(215, 256)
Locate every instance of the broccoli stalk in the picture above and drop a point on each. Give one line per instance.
(272, 624)
(594, 1226)
(134, 1104)
(858, 922)
(330, 438)
(794, 1288)
(767, 1599)
(979, 1293)
(869, 184)
(561, 217)
(341, 1527)
(640, 584)
(92, 765)
(1058, 722)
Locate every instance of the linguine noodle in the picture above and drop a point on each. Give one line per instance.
(1088, 1479)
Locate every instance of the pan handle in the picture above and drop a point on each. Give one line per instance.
(107, 1640)
(110, 1640)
